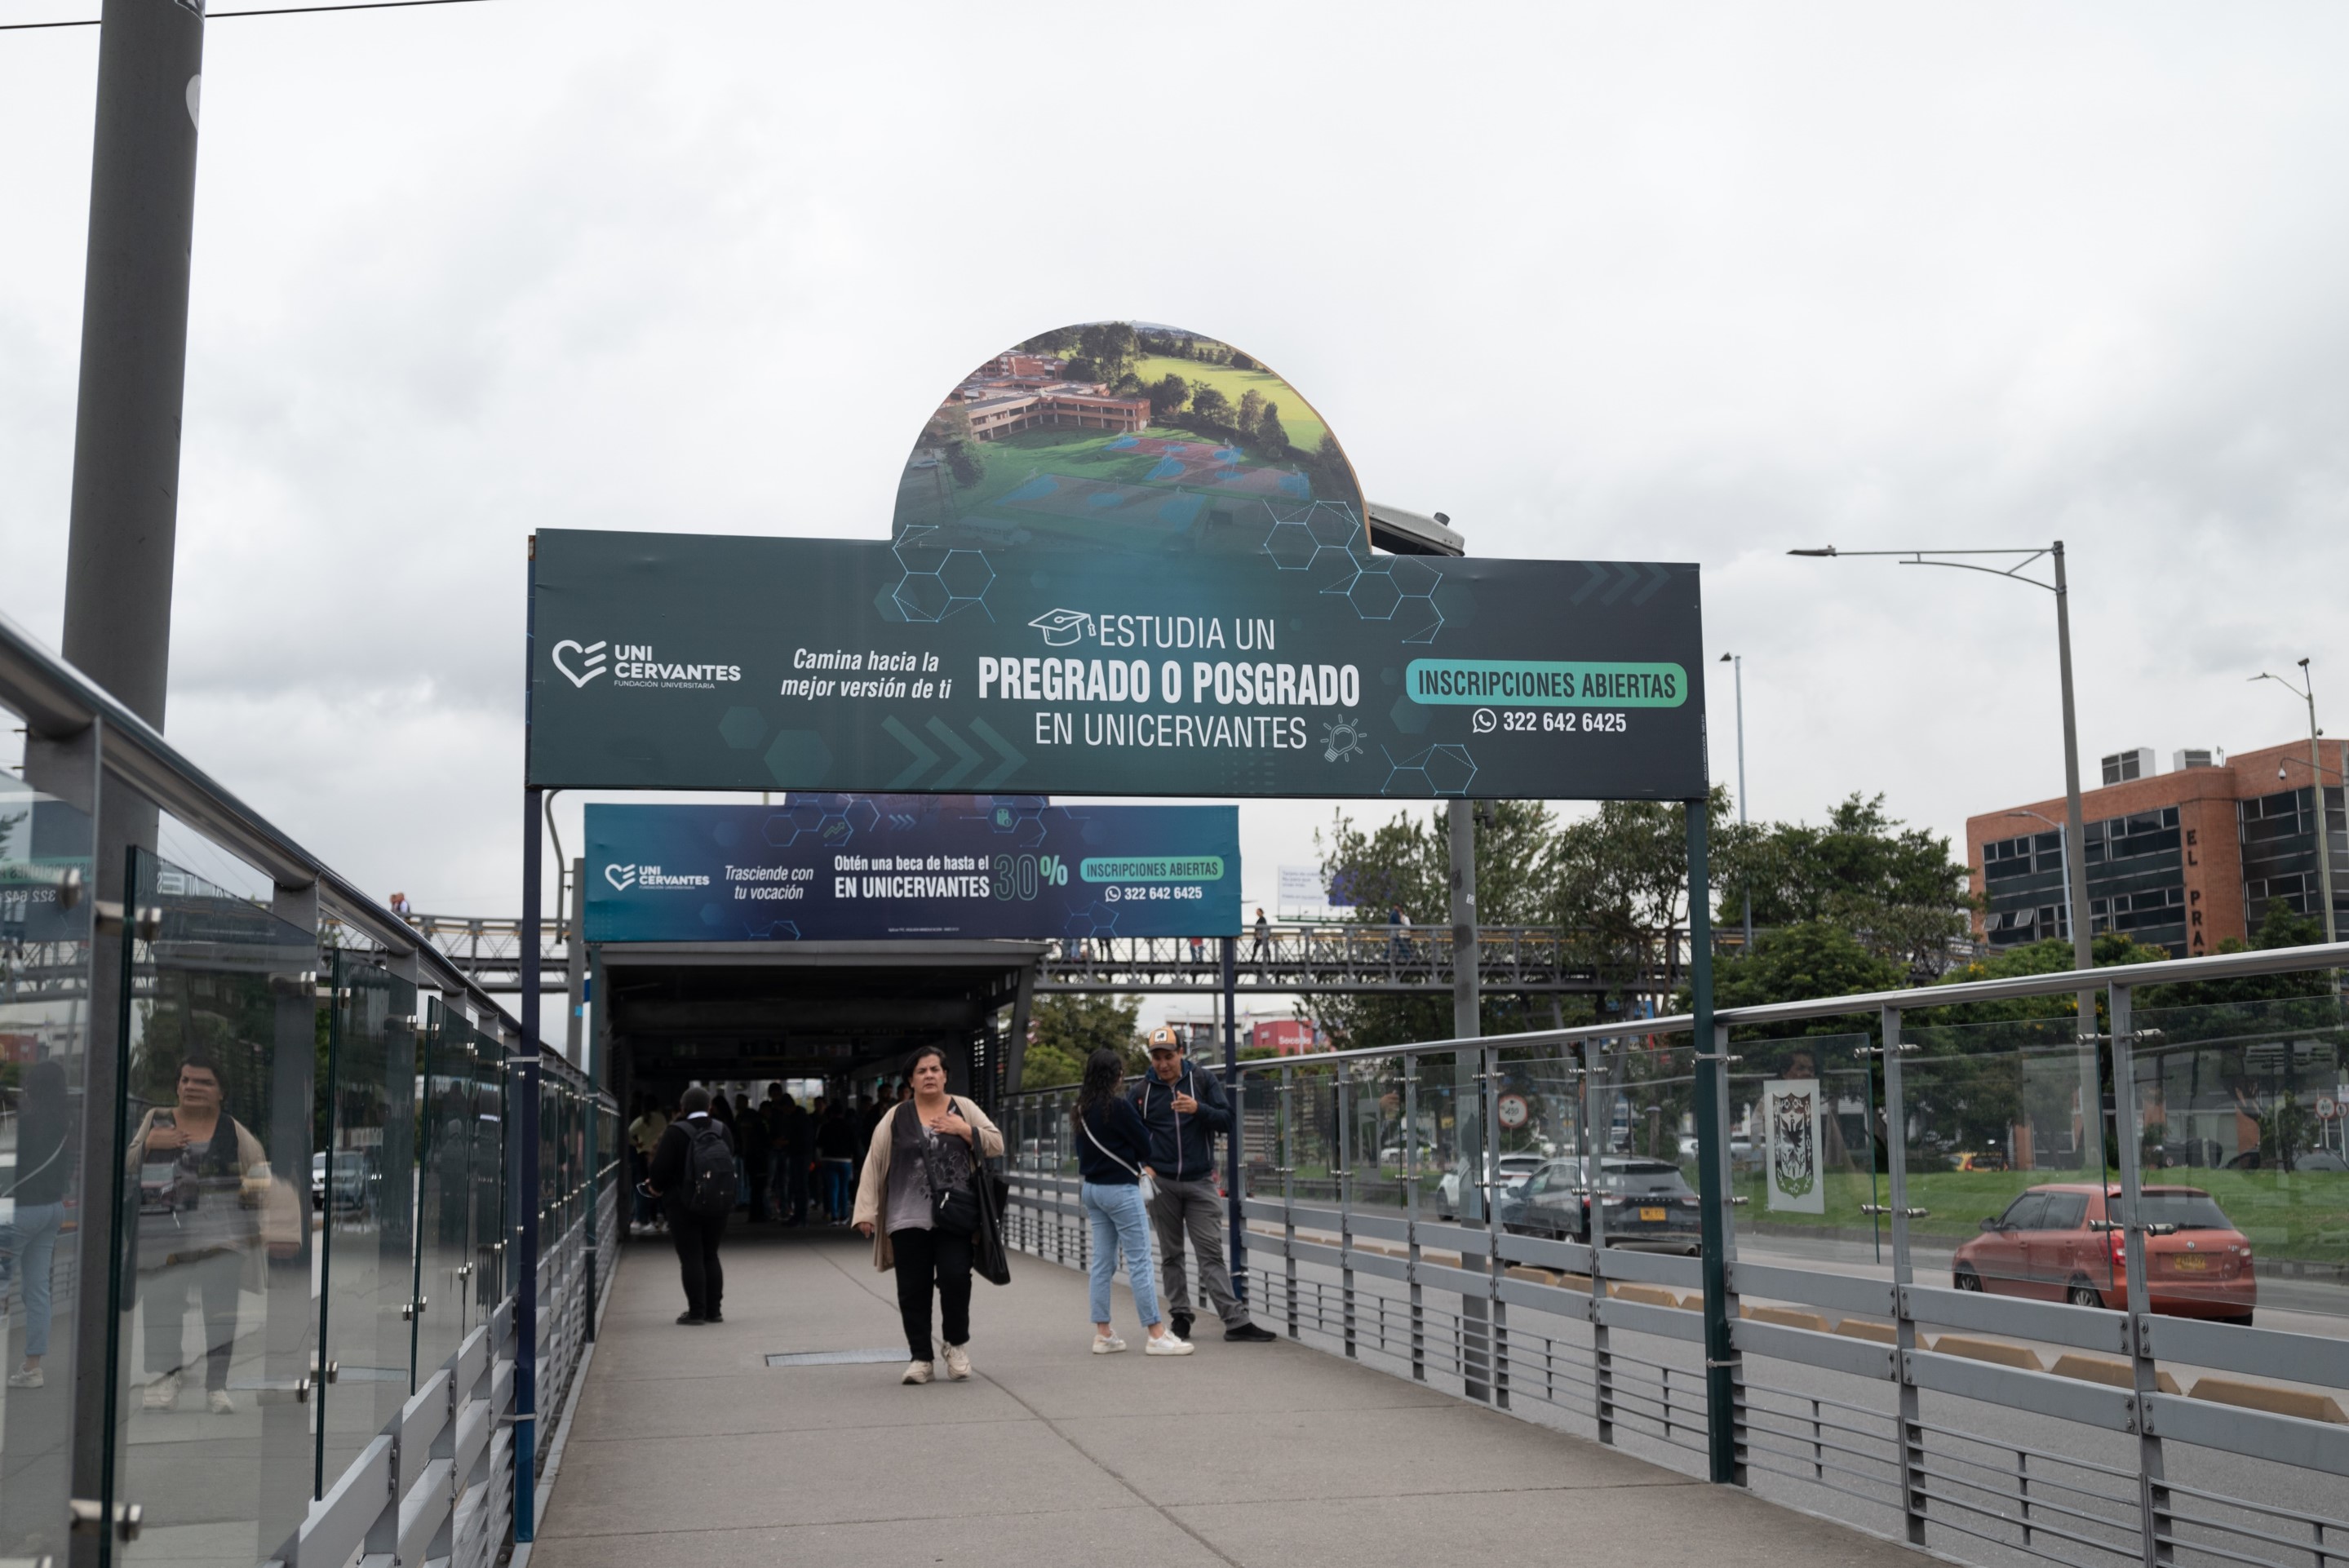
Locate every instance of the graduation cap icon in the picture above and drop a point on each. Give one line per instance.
(1062, 627)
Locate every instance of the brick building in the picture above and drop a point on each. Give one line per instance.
(2181, 859)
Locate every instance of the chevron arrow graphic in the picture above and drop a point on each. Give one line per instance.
(954, 744)
(1598, 581)
(1012, 760)
(923, 758)
(1657, 578)
(1626, 578)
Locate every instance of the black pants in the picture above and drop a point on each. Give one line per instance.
(214, 1278)
(697, 1237)
(928, 1259)
(755, 1172)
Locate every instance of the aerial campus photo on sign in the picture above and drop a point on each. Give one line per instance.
(839, 867)
(1124, 560)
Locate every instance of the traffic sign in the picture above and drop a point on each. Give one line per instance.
(1514, 1111)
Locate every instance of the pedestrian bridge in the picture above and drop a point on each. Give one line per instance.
(1974, 1268)
(687, 1444)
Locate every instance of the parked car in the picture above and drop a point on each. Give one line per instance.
(2059, 1242)
(1513, 1170)
(1643, 1204)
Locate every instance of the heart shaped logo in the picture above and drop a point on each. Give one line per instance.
(590, 656)
(621, 877)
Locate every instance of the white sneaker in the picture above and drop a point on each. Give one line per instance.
(25, 1378)
(163, 1393)
(958, 1358)
(1167, 1344)
(1107, 1344)
(220, 1402)
(917, 1372)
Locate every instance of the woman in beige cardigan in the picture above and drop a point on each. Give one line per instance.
(924, 1152)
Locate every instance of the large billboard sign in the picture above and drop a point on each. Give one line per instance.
(1271, 655)
(859, 867)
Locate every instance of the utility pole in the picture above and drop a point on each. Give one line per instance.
(134, 349)
(1736, 663)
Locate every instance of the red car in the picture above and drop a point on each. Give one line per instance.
(2057, 1242)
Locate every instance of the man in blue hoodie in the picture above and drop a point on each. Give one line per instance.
(1184, 1108)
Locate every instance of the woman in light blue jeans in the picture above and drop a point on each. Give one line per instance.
(1112, 1152)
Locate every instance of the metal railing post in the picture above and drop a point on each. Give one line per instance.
(1710, 1088)
(1411, 1217)
(1597, 1075)
(1342, 1163)
(2152, 1490)
(1496, 1342)
(1912, 1444)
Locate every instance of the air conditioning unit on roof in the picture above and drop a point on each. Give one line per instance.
(2122, 766)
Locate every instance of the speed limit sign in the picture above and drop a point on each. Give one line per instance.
(1514, 1111)
(2327, 1108)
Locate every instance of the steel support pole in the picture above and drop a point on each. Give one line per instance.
(2075, 881)
(1236, 1249)
(134, 351)
(1911, 1458)
(574, 952)
(1737, 669)
(2153, 1489)
(2324, 817)
(521, 1129)
(1468, 1103)
(1713, 1162)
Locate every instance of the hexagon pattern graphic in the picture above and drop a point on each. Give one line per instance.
(1397, 589)
(938, 581)
(1445, 769)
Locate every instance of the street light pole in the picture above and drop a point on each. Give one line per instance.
(2075, 860)
(1736, 663)
(2306, 691)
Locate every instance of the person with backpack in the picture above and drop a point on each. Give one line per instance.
(1112, 1154)
(694, 1175)
(919, 1200)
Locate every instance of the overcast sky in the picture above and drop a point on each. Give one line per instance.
(1668, 283)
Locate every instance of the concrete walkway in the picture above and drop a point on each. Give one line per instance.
(688, 1447)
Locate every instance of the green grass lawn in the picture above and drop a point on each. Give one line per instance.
(1060, 450)
(1304, 426)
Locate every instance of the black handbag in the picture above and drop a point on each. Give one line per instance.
(990, 1260)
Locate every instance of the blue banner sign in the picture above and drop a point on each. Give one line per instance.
(861, 867)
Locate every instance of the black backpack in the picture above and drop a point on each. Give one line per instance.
(708, 1170)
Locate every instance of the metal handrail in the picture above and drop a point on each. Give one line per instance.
(2064, 982)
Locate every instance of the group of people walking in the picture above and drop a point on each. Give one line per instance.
(796, 1163)
(928, 1199)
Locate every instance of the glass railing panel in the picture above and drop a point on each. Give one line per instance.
(44, 997)
(444, 1151)
(1543, 1133)
(1451, 1134)
(369, 1207)
(1998, 1133)
(2236, 1114)
(212, 1276)
(1636, 1185)
(486, 1164)
(1804, 1151)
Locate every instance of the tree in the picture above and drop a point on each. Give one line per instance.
(1251, 411)
(1058, 341)
(1269, 430)
(1111, 346)
(1896, 888)
(1406, 864)
(1211, 407)
(949, 433)
(1064, 1030)
(1168, 396)
(1242, 362)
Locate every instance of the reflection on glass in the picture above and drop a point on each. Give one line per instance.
(369, 1275)
(2244, 1150)
(44, 979)
(1805, 1154)
(211, 1283)
(1990, 1112)
(444, 1118)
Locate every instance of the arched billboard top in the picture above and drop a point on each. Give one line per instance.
(1150, 434)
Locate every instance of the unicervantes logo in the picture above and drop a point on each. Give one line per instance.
(623, 878)
(634, 665)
